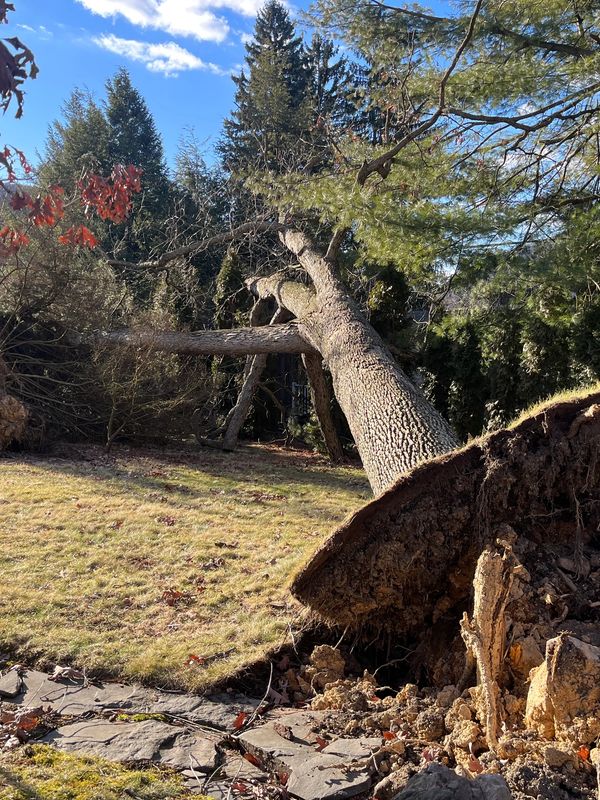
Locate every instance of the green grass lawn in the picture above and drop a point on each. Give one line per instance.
(127, 565)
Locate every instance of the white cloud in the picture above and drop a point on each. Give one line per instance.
(42, 31)
(194, 18)
(167, 58)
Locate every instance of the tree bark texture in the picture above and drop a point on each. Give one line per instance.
(289, 338)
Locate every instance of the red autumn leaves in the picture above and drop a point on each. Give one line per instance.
(110, 198)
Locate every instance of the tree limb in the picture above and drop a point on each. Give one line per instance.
(194, 248)
(288, 338)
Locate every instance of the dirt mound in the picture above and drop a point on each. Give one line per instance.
(406, 560)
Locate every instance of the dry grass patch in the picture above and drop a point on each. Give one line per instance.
(126, 565)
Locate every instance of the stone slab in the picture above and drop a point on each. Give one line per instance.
(115, 741)
(321, 778)
(275, 751)
(73, 698)
(10, 684)
(353, 749)
(190, 751)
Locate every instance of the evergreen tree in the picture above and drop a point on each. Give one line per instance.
(77, 142)
(133, 139)
(272, 108)
(327, 81)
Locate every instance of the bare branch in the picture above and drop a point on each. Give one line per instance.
(256, 226)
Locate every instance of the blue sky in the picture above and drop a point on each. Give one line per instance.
(180, 54)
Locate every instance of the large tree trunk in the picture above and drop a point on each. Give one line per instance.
(393, 424)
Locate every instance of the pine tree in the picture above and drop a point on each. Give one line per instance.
(272, 108)
(327, 81)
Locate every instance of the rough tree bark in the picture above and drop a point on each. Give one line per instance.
(289, 338)
(393, 424)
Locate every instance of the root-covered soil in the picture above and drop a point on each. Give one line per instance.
(405, 562)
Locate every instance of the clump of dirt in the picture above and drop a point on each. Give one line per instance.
(423, 725)
(13, 420)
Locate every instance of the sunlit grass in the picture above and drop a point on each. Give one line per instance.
(88, 549)
(40, 773)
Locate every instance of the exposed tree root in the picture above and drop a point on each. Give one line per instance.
(484, 634)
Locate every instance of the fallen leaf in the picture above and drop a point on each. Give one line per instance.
(475, 765)
(239, 787)
(252, 759)
(66, 673)
(239, 720)
(282, 730)
(321, 743)
(389, 736)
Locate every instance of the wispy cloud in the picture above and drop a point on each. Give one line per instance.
(41, 31)
(194, 18)
(167, 58)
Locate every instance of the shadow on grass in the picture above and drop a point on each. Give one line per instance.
(12, 781)
(270, 467)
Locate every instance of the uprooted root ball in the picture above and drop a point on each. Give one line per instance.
(406, 560)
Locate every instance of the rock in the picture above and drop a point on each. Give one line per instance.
(353, 749)
(321, 778)
(447, 696)
(459, 711)
(115, 741)
(300, 725)
(389, 786)
(564, 697)
(464, 734)
(437, 782)
(312, 775)
(524, 655)
(190, 751)
(556, 758)
(326, 666)
(430, 724)
(73, 698)
(10, 684)
(273, 750)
